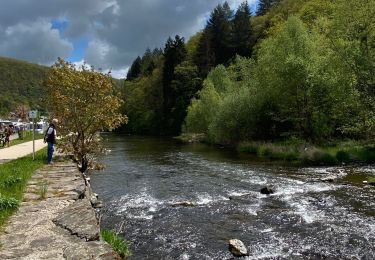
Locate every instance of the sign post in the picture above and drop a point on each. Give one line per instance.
(32, 115)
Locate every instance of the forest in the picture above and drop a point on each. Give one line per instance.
(20, 85)
(296, 69)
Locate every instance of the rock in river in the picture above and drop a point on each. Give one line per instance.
(183, 204)
(266, 190)
(237, 248)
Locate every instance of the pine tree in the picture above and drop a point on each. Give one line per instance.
(174, 53)
(219, 29)
(242, 31)
(204, 57)
(135, 69)
(265, 5)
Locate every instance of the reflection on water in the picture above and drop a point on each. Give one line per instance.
(306, 218)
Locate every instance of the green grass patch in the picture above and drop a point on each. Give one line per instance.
(8, 203)
(43, 189)
(14, 176)
(120, 245)
(295, 150)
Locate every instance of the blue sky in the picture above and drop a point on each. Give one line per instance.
(108, 34)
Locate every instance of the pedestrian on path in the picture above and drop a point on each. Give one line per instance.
(8, 132)
(50, 138)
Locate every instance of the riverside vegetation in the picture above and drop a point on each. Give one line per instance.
(120, 245)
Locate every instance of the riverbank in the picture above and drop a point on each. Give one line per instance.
(56, 219)
(299, 152)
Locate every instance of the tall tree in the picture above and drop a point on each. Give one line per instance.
(135, 69)
(174, 53)
(219, 31)
(84, 102)
(264, 6)
(242, 32)
(204, 57)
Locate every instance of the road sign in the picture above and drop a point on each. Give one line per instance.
(33, 114)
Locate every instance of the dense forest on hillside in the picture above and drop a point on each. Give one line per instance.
(20, 84)
(296, 69)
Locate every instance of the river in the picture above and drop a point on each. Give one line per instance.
(306, 217)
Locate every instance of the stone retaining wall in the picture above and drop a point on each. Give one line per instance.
(62, 225)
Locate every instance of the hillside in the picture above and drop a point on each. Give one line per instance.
(20, 83)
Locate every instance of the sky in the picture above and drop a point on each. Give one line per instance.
(108, 34)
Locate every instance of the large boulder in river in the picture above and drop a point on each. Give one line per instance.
(237, 248)
(266, 190)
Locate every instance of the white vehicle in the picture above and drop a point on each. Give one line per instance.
(40, 127)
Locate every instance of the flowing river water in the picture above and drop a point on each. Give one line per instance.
(306, 218)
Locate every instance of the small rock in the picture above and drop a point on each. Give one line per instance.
(183, 204)
(365, 182)
(267, 190)
(328, 179)
(237, 248)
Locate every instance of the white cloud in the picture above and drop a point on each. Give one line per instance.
(35, 42)
(117, 74)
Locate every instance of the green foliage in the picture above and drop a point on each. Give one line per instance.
(20, 83)
(43, 189)
(120, 245)
(85, 103)
(144, 104)
(242, 34)
(135, 69)
(8, 203)
(265, 5)
(12, 180)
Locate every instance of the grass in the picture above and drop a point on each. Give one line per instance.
(298, 151)
(43, 189)
(120, 245)
(13, 180)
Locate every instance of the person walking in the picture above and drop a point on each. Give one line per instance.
(50, 138)
(8, 132)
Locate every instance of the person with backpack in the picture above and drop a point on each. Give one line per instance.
(50, 139)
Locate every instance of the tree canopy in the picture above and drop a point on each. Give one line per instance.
(83, 101)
